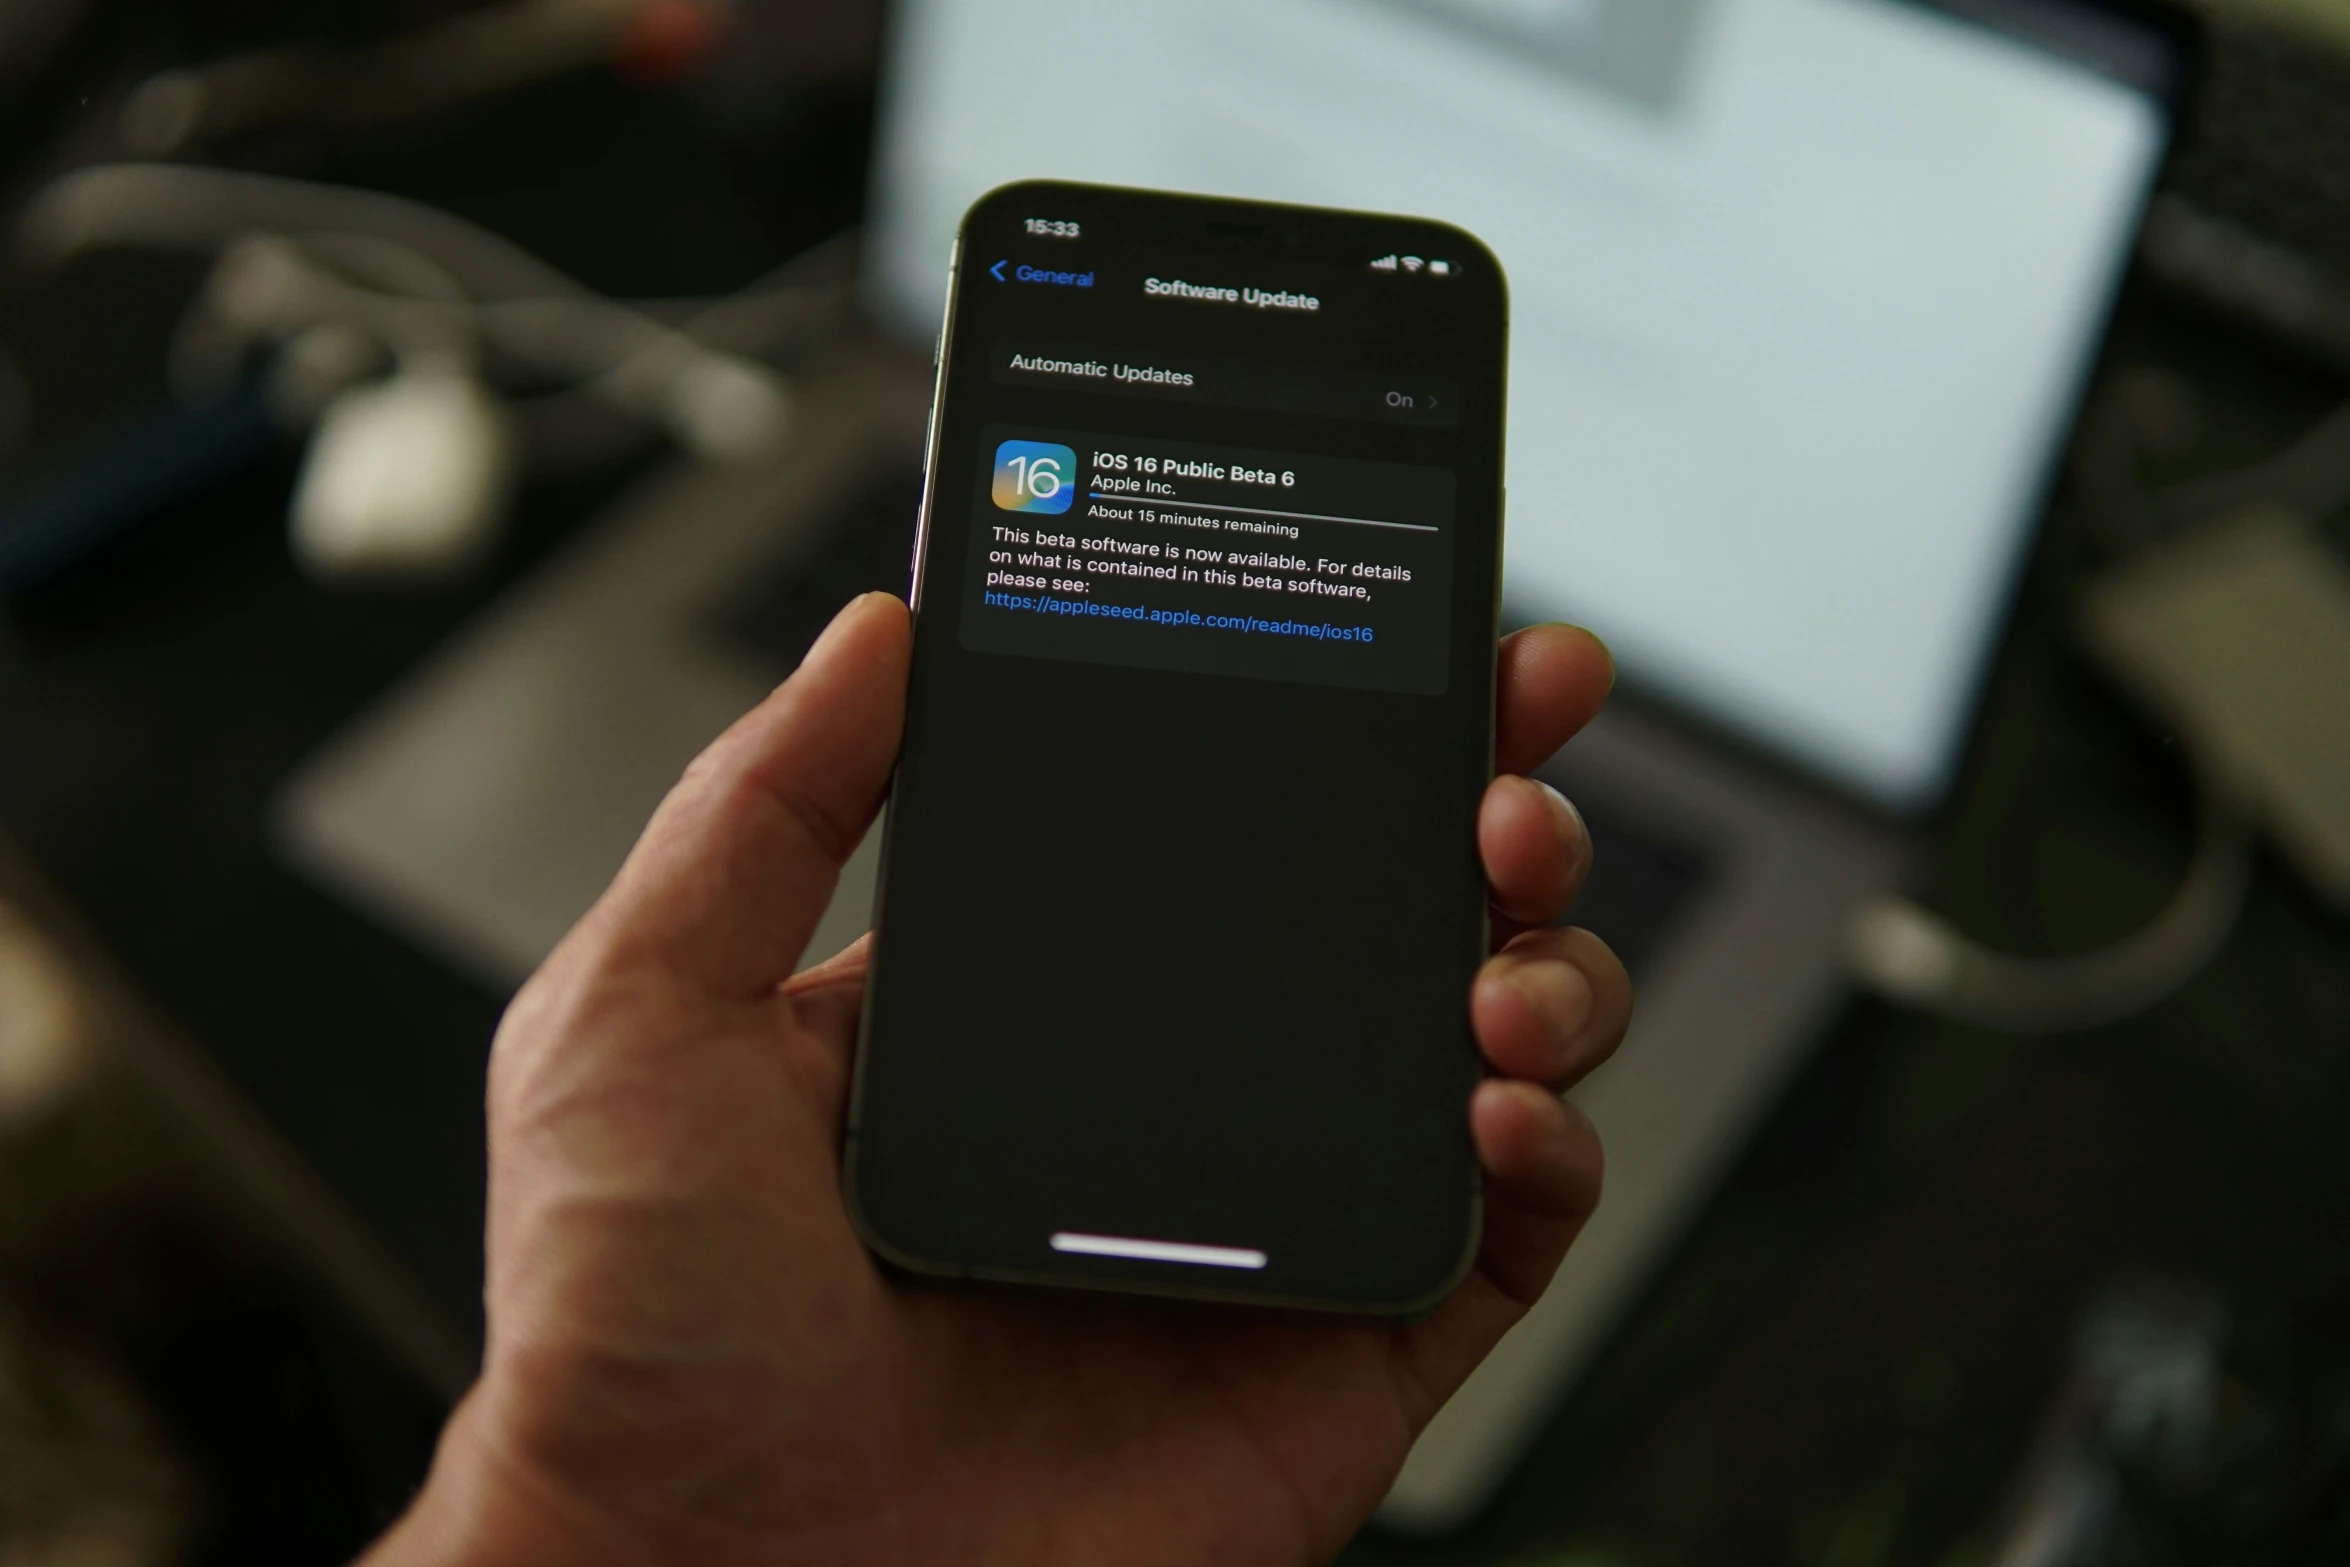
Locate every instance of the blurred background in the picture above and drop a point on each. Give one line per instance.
(422, 424)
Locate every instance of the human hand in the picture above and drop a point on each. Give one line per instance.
(691, 1356)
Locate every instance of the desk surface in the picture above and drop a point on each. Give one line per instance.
(1849, 1352)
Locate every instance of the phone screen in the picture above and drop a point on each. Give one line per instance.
(1180, 900)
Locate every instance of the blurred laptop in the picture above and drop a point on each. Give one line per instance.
(1805, 294)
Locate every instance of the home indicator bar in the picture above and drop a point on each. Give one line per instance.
(1158, 1251)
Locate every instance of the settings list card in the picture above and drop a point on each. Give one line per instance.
(1213, 559)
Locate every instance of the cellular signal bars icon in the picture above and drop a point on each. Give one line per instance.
(1392, 263)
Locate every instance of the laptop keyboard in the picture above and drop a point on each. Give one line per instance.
(2255, 215)
(775, 613)
(1643, 880)
(2269, 144)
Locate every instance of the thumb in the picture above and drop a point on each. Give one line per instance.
(731, 875)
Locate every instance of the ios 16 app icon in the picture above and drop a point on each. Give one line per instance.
(1034, 476)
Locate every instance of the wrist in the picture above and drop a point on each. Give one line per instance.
(478, 1509)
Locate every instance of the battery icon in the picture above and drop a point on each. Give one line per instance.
(1439, 268)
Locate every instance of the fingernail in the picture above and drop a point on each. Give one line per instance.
(1558, 993)
(832, 631)
(1582, 828)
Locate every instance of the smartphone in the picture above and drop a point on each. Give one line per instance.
(1180, 898)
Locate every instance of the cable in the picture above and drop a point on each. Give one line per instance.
(408, 473)
(173, 206)
(297, 254)
(270, 289)
(1910, 954)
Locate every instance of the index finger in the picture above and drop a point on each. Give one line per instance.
(1552, 680)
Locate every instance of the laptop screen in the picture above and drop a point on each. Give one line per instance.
(1802, 290)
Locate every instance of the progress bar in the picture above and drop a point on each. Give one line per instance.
(1158, 1251)
(1165, 504)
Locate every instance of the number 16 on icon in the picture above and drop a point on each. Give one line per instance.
(1034, 476)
